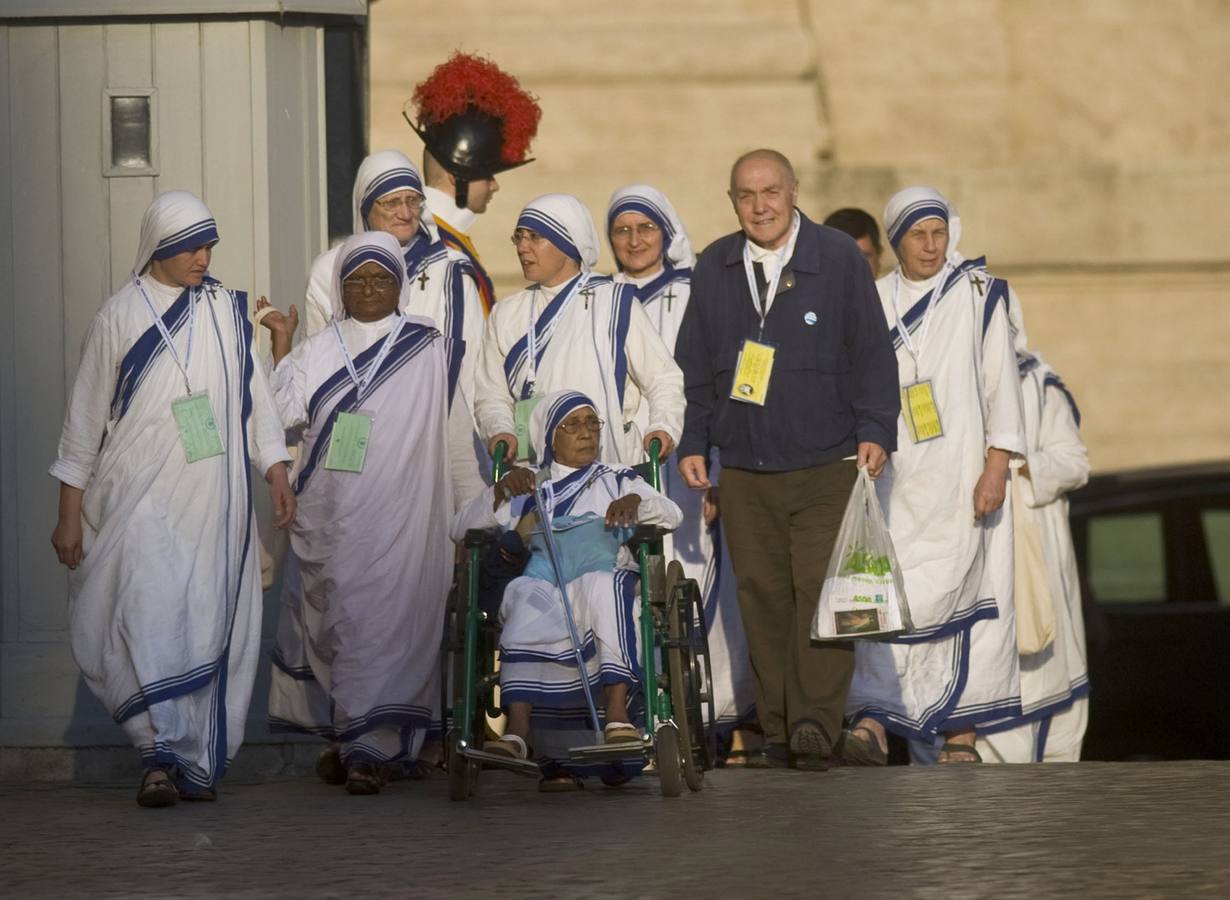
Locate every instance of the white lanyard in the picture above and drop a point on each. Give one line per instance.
(771, 292)
(531, 334)
(912, 345)
(166, 335)
(362, 383)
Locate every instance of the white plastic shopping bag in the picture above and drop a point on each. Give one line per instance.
(863, 594)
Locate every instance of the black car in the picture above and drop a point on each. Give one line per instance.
(1153, 548)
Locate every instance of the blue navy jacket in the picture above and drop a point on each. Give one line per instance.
(834, 381)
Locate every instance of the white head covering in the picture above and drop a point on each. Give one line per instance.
(379, 247)
(914, 204)
(652, 203)
(381, 174)
(550, 411)
(176, 221)
(565, 222)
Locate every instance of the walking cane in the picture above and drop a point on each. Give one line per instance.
(546, 514)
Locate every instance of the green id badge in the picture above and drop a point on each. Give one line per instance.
(198, 431)
(521, 418)
(348, 442)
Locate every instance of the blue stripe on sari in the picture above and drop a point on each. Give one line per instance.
(140, 357)
(518, 356)
(621, 318)
(997, 294)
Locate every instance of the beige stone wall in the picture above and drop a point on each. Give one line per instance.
(1087, 145)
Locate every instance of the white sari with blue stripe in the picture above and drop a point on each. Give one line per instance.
(1055, 680)
(165, 609)
(537, 664)
(367, 577)
(958, 670)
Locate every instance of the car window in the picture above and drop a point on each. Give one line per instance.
(1217, 539)
(1126, 558)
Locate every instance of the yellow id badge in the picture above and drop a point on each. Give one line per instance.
(753, 372)
(198, 430)
(921, 415)
(348, 442)
(521, 419)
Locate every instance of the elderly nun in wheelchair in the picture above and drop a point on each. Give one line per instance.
(593, 508)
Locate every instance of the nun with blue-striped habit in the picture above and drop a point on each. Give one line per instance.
(946, 499)
(364, 587)
(574, 329)
(592, 506)
(167, 417)
(1054, 668)
(654, 255)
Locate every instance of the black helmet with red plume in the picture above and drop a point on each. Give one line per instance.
(475, 119)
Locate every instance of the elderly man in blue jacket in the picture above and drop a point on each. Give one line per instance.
(791, 376)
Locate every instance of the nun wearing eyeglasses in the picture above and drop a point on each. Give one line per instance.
(574, 329)
(168, 413)
(592, 507)
(441, 284)
(364, 587)
(653, 253)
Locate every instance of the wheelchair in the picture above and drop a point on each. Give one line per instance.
(676, 681)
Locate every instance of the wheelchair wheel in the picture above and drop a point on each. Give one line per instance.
(685, 688)
(666, 751)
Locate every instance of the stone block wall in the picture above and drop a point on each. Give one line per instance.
(1087, 146)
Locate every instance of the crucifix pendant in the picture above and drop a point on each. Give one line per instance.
(423, 279)
(976, 282)
(670, 295)
(587, 293)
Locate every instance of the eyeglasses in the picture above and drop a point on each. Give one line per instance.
(591, 423)
(358, 284)
(643, 230)
(525, 234)
(412, 202)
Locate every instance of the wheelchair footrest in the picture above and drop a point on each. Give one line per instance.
(626, 750)
(526, 767)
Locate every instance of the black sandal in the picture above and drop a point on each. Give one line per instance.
(154, 794)
(858, 751)
(364, 779)
(951, 748)
(329, 766)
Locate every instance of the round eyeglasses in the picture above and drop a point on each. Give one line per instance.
(576, 426)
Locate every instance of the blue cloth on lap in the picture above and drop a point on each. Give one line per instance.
(584, 544)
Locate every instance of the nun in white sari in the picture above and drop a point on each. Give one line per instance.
(945, 498)
(574, 329)
(364, 589)
(591, 506)
(652, 250)
(1055, 674)
(167, 416)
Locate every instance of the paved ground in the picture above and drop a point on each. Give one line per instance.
(1085, 830)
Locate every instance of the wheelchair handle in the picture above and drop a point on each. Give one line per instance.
(655, 464)
(499, 465)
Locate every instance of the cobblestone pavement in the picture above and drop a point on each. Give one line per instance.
(1083, 830)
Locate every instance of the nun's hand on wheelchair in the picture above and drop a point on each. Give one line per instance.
(622, 513)
(518, 481)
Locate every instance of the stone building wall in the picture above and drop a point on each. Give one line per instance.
(1087, 146)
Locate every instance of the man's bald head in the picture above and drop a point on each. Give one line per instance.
(763, 191)
(764, 155)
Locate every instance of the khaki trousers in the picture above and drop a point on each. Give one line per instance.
(780, 527)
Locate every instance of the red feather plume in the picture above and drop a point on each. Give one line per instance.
(467, 80)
